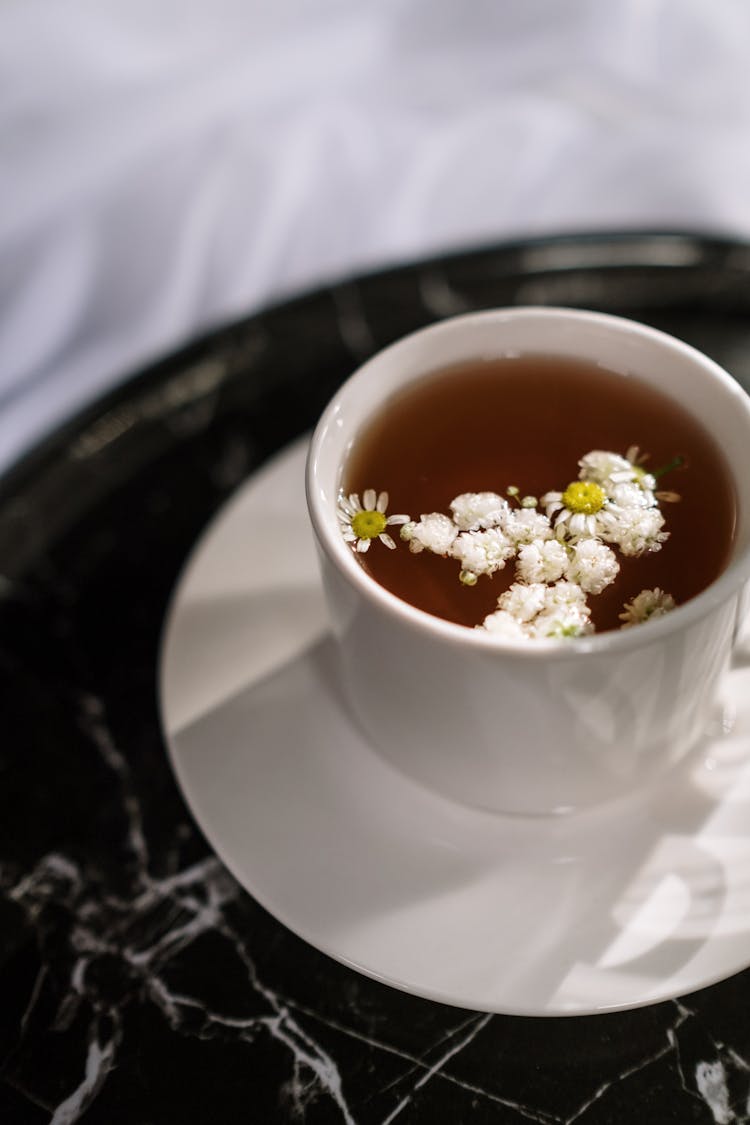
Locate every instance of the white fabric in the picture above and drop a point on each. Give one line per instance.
(166, 165)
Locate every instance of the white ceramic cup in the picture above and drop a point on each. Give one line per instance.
(544, 726)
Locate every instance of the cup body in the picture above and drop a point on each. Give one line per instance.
(545, 726)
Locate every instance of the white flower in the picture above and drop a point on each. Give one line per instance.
(563, 621)
(645, 607)
(565, 612)
(564, 595)
(524, 525)
(482, 552)
(539, 610)
(505, 626)
(541, 561)
(362, 522)
(473, 511)
(523, 600)
(634, 530)
(591, 565)
(601, 466)
(433, 532)
(610, 469)
(645, 479)
(628, 495)
(625, 482)
(578, 510)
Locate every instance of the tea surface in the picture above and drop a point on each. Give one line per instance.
(527, 421)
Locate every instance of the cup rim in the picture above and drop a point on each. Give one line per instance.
(712, 598)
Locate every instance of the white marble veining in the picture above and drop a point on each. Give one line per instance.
(160, 916)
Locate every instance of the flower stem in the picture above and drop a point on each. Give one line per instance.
(676, 463)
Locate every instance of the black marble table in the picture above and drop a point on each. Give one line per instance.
(138, 982)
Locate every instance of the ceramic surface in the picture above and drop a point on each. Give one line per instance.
(504, 725)
(641, 900)
(139, 981)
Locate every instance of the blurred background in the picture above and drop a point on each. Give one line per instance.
(167, 165)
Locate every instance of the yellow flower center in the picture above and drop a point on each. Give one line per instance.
(584, 496)
(368, 525)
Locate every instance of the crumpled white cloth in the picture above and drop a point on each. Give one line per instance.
(166, 165)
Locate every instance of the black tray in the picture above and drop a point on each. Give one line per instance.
(138, 983)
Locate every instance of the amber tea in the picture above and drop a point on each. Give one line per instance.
(525, 422)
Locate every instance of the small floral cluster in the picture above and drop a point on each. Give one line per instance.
(562, 544)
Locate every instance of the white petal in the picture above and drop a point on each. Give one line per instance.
(368, 500)
(393, 521)
(382, 502)
(385, 538)
(363, 545)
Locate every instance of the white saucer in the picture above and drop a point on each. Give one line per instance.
(637, 902)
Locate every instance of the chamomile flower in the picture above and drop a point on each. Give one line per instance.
(591, 565)
(625, 480)
(610, 469)
(476, 511)
(645, 607)
(629, 495)
(641, 476)
(562, 544)
(577, 511)
(542, 560)
(602, 466)
(365, 520)
(481, 552)
(433, 532)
